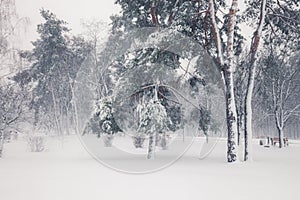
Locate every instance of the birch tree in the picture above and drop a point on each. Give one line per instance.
(227, 69)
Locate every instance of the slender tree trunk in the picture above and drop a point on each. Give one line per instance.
(231, 118)
(248, 116)
(227, 73)
(279, 126)
(229, 86)
(280, 136)
(151, 146)
(239, 127)
(74, 105)
(1, 143)
(250, 83)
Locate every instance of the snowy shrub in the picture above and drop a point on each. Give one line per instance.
(104, 113)
(162, 140)
(93, 127)
(102, 121)
(138, 141)
(153, 117)
(36, 143)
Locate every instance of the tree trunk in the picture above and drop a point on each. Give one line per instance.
(1, 143)
(231, 118)
(250, 84)
(151, 146)
(228, 69)
(248, 116)
(280, 136)
(164, 142)
(227, 73)
(239, 127)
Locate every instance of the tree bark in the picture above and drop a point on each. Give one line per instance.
(1, 143)
(250, 83)
(227, 69)
(239, 127)
(231, 117)
(280, 136)
(151, 146)
(229, 86)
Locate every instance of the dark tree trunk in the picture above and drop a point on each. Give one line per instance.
(280, 136)
(239, 127)
(151, 146)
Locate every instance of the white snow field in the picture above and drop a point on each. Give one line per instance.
(68, 172)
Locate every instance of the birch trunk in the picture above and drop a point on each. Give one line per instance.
(231, 117)
(227, 69)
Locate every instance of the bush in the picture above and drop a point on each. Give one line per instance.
(36, 143)
(138, 141)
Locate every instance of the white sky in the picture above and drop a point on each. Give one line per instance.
(72, 11)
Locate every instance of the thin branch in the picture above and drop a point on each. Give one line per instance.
(170, 18)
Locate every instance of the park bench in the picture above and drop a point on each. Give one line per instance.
(275, 140)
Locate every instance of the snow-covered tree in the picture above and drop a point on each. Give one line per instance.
(103, 122)
(199, 21)
(55, 61)
(280, 89)
(12, 108)
(270, 19)
(96, 33)
(11, 27)
(153, 120)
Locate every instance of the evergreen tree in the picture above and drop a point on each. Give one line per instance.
(56, 59)
(196, 19)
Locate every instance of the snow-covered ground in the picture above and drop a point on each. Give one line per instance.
(65, 171)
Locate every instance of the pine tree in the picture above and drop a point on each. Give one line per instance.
(56, 59)
(198, 20)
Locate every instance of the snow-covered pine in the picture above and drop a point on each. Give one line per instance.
(102, 123)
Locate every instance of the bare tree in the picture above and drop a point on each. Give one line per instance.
(281, 89)
(10, 27)
(96, 32)
(12, 108)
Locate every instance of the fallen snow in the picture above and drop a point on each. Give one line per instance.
(65, 171)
